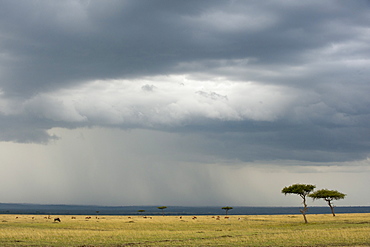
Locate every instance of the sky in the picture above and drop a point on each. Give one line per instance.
(192, 103)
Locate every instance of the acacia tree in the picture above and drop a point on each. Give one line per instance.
(141, 211)
(162, 208)
(328, 196)
(227, 209)
(303, 190)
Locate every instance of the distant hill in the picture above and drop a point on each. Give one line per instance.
(45, 209)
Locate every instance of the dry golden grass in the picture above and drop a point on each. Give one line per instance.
(253, 230)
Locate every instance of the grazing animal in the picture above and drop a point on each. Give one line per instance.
(73, 218)
(194, 218)
(57, 219)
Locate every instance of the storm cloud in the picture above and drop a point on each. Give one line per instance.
(219, 83)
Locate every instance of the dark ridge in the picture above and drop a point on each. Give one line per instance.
(44, 209)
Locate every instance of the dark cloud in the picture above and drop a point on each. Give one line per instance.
(314, 53)
(24, 130)
(252, 142)
(51, 45)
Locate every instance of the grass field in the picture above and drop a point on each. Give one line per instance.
(250, 230)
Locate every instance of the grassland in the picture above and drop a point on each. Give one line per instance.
(253, 230)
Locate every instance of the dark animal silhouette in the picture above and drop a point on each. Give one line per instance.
(57, 219)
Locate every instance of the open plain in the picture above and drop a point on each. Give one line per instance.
(236, 230)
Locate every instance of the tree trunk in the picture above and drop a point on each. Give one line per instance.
(305, 219)
(304, 215)
(303, 211)
(331, 207)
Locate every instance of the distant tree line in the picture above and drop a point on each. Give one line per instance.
(164, 207)
(302, 190)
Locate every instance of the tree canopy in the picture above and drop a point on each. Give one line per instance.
(328, 196)
(299, 189)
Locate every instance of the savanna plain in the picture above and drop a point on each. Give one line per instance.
(139, 230)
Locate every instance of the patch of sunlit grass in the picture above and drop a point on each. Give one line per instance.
(274, 230)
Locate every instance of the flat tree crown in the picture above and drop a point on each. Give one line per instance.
(227, 208)
(299, 189)
(327, 195)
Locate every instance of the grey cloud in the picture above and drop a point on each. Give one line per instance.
(51, 45)
(148, 88)
(25, 130)
(186, 102)
(237, 121)
(251, 142)
(212, 95)
(307, 63)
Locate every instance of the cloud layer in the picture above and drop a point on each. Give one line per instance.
(239, 81)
